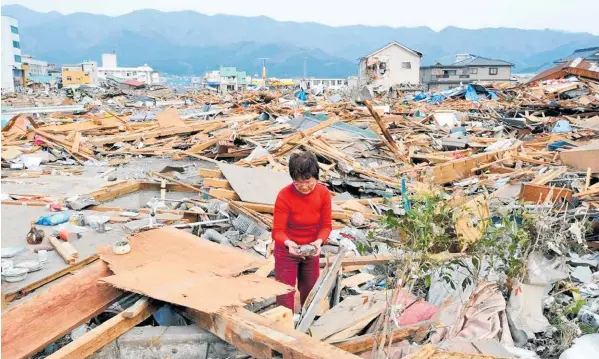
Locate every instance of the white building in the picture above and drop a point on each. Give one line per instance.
(36, 67)
(326, 83)
(143, 73)
(12, 73)
(393, 64)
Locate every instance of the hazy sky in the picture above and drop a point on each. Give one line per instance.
(569, 15)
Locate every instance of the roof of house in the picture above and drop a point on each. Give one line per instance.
(133, 83)
(577, 66)
(391, 44)
(481, 61)
(474, 60)
(589, 53)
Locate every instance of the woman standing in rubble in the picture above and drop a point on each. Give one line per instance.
(302, 224)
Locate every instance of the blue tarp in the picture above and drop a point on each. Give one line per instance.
(419, 96)
(301, 95)
(471, 94)
(436, 98)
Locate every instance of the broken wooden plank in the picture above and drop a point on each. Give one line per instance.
(180, 183)
(60, 141)
(206, 172)
(61, 250)
(76, 142)
(365, 342)
(111, 192)
(549, 176)
(462, 168)
(307, 317)
(140, 305)
(217, 183)
(356, 280)
(266, 269)
(354, 313)
(364, 260)
(280, 314)
(105, 333)
(33, 324)
(263, 338)
(471, 221)
(223, 194)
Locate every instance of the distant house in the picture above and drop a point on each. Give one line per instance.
(466, 69)
(393, 64)
(144, 73)
(84, 73)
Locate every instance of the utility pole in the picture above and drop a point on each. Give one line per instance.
(263, 70)
(305, 67)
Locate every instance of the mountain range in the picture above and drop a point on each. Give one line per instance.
(190, 43)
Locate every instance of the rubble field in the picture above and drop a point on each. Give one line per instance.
(465, 222)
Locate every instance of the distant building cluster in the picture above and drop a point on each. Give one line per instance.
(20, 71)
(392, 66)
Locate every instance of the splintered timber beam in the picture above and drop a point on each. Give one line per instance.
(365, 342)
(33, 324)
(106, 332)
(263, 338)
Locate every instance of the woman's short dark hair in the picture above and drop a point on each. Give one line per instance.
(303, 166)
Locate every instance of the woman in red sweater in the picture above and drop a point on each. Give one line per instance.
(302, 216)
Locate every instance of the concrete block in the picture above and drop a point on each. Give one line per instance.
(182, 342)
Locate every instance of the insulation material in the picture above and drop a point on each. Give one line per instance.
(176, 267)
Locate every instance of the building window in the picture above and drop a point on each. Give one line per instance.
(69, 78)
(17, 58)
(14, 29)
(16, 45)
(473, 71)
(406, 65)
(493, 70)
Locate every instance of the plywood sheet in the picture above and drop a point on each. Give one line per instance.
(177, 267)
(257, 185)
(169, 118)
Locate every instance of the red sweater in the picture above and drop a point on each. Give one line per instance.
(302, 218)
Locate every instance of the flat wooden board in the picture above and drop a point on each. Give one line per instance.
(538, 193)
(37, 322)
(257, 185)
(177, 267)
(352, 310)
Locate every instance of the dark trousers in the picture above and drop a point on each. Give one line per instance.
(290, 269)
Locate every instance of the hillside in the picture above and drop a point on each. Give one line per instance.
(188, 42)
